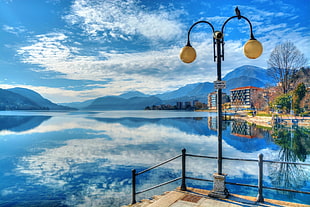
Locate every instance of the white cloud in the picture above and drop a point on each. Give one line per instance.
(47, 49)
(14, 30)
(130, 70)
(124, 19)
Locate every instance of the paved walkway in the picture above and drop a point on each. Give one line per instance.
(267, 121)
(199, 198)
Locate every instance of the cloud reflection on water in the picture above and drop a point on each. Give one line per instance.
(94, 156)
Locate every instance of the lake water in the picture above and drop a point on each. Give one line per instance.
(85, 158)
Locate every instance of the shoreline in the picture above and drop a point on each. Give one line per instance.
(257, 120)
(269, 122)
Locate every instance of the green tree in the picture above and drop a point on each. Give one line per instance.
(298, 94)
(283, 102)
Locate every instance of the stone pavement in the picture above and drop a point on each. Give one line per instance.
(199, 198)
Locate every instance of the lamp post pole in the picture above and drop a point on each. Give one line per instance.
(219, 108)
(252, 49)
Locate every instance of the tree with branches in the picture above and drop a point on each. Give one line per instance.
(284, 62)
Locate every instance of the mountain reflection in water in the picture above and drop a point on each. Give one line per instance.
(85, 158)
(21, 123)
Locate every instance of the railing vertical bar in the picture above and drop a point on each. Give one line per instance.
(260, 197)
(183, 185)
(133, 176)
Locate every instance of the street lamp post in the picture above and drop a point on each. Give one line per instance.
(252, 49)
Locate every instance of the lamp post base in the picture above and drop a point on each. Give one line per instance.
(219, 188)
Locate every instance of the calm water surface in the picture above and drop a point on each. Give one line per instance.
(85, 158)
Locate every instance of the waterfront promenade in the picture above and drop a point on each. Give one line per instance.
(194, 197)
(267, 121)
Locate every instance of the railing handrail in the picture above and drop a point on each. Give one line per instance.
(250, 160)
(282, 162)
(160, 164)
(159, 185)
(260, 186)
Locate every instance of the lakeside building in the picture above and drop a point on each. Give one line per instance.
(187, 105)
(183, 105)
(242, 97)
(212, 99)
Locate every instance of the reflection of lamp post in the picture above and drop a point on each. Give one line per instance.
(291, 111)
(266, 96)
(252, 49)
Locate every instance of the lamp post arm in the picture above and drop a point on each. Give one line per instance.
(230, 18)
(190, 29)
(239, 17)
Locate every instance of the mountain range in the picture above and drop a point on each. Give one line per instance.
(25, 99)
(246, 75)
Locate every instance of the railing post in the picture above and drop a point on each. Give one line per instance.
(183, 185)
(133, 177)
(260, 197)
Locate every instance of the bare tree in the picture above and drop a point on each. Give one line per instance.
(258, 99)
(284, 62)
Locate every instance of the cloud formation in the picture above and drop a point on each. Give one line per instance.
(14, 30)
(124, 20)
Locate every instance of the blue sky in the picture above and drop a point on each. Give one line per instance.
(75, 50)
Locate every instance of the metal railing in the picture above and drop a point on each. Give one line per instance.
(183, 177)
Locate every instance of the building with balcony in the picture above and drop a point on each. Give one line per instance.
(242, 97)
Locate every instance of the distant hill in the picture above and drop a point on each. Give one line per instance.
(86, 104)
(249, 71)
(25, 99)
(118, 103)
(183, 91)
(78, 105)
(241, 82)
(132, 94)
(13, 101)
(246, 75)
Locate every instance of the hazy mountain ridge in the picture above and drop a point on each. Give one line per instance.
(132, 94)
(26, 99)
(246, 75)
(183, 91)
(243, 76)
(13, 101)
(249, 71)
(241, 82)
(118, 103)
(21, 98)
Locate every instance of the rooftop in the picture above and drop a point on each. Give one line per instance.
(246, 87)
